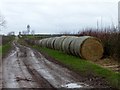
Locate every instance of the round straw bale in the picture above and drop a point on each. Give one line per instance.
(39, 42)
(52, 43)
(44, 42)
(76, 45)
(87, 47)
(55, 43)
(66, 43)
(92, 49)
(49, 42)
(58, 42)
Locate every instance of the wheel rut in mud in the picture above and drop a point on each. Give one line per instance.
(24, 69)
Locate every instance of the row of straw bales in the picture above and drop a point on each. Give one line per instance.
(86, 47)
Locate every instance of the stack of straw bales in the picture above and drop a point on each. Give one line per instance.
(86, 47)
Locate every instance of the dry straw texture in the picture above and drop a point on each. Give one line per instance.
(86, 47)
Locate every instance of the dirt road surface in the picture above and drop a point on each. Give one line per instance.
(27, 68)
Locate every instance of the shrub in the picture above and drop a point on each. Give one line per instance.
(6, 39)
(110, 38)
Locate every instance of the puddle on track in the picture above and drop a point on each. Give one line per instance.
(54, 74)
(72, 85)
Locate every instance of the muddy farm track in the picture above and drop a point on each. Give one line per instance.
(27, 68)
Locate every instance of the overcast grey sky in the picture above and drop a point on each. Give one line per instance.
(55, 16)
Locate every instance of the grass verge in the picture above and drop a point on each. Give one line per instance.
(5, 48)
(0, 50)
(83, 66)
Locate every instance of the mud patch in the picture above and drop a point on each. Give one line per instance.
(90, 79)
(23, 79)
(34, 70)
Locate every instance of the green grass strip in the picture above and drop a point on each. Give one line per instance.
(5, 48)
(0, 51)
(83, 66)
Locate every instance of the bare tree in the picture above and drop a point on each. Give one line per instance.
(2, 21)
